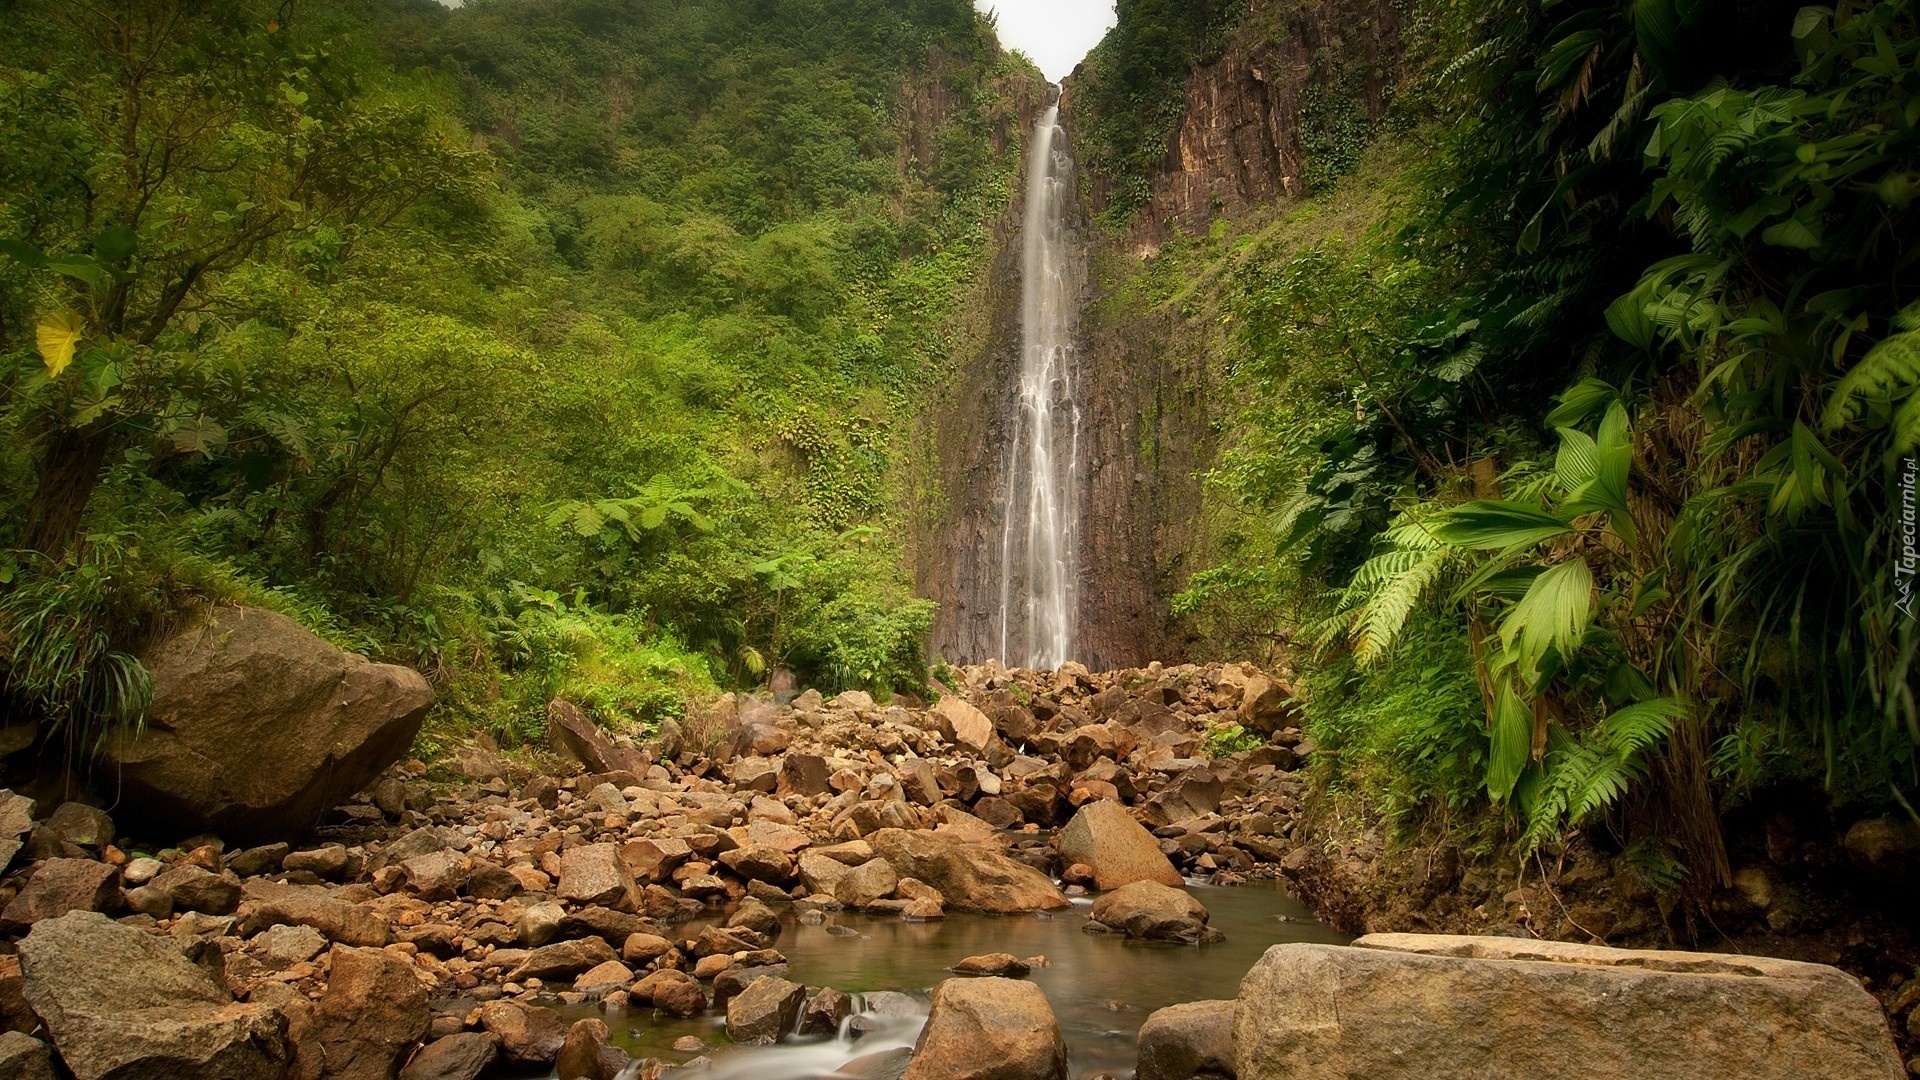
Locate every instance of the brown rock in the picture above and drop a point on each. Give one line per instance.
(1119, 849)
(864, 884)
(573, 733)
(267, 903)
(563, 959)
(463, 1055)
(962, 724)
(765, 1011)
(1187, 1040)
(1003, 964)
(971, 877)
(1266, 706)
(1511, 1007)
(62, 885)
(257, 727)
(1153, 912)
(121, 1003)
(528, 1034)
(826, 1012)
(190, 888)
(588, 1055)
(373, 1012)
(594, 874)
(23, 1057)
(989, 1029)
(802, 774)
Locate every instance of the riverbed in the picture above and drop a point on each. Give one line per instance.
(1100, 986)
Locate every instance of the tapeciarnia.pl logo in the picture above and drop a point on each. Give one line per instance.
(1904, 566)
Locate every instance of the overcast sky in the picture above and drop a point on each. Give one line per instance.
(1056, 33)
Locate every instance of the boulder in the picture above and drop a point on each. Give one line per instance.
(594, 874)
(588, 1054)
(862, 885)
(879, 1065)
(989, 1029)
(73, 831)
(962, 724)
(998, 963)
(372, 1013)
(1187, 1041)
(257, 728)
(1119, 849)
(1887, 851)
(1414, 1005)
(122, 1004)
(765, 1011)
(528, 1034)
(193, 889)
(573, 733)
(826, 1012)
(464, 1055)
(971, 877)
(1266, 706)
(268, 903)
(802, 774)
(1153, 912)
(59, 886)
(16, 820)
(23, 1057)
(563, 959)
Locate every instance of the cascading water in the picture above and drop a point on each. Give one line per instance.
(1039, 564)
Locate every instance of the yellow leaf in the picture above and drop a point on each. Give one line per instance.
(58, 336)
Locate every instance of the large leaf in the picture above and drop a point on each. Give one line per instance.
(1554, 614)
(1491, 524)
(1510, 744)
(57, 336)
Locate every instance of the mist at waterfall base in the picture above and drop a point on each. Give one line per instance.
(1039, 564)
(1101, 987)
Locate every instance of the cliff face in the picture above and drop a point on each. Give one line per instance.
(1261, 123)
(1255, 121)
(1291, 83)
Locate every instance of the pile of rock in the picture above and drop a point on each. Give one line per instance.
(437, 923)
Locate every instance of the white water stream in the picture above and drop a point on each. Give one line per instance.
(1039, 565)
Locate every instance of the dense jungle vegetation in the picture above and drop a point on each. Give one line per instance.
(1572, 425)
(553, 346)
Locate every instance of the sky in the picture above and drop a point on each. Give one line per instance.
(1055, 33)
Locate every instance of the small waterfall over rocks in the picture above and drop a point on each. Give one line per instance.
(1040, 530)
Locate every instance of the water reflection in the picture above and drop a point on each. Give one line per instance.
(1101, 987)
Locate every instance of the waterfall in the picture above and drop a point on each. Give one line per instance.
(1040, 533)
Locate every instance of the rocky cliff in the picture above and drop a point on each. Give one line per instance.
(1292, 93)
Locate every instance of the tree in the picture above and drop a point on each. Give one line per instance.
(155, 146)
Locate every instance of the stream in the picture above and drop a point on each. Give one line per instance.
(1101, 987)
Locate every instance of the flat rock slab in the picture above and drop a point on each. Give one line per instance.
(1424, 1006)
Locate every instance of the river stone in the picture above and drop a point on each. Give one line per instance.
(122, 1004)
(74, 830)
(1119, 849)
(962, 724)
(594, 874)
(257, 728)
(373, 1011)
(1153, 912)
(267, 903)
(1416, 1005)
(16, 820)
(1186, 1041)
(563, 959)
(765, 1011)
(864, 884)
(998, 963)
(327, 861)
(826, 1012)
(59, 886)
(528, 1034)
(193, 889)
(989, 1029)
(464, 1055)
(588, 1055)
(281, 947)
(23, 1057)
(971, 877)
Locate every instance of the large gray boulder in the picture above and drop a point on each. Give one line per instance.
(1415, 1005)
(258, 727)
(122, 1004)
(989, 1029)
(1119, 849)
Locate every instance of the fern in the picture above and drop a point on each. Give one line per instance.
(1889, 370)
